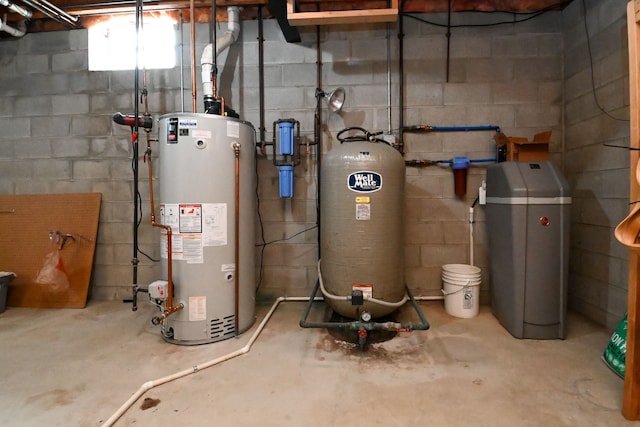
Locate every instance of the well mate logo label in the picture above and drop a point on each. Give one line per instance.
(364, 181)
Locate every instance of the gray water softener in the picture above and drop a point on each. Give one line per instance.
(528, 210)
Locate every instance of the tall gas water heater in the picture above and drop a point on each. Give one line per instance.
(362, 233)
(207, 169)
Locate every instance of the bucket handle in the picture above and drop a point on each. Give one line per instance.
(462, 288)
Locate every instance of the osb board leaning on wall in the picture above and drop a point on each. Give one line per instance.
(49, 241)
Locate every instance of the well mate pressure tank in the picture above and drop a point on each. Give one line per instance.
(361, 226)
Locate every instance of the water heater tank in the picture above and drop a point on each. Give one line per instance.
(198, 177)
(361, 227)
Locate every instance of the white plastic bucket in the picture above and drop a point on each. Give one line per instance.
(461, 289)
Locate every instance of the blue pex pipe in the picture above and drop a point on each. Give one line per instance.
(462, 128)
(470, 160)
(492, 159)
(427, 128)
(418, 162)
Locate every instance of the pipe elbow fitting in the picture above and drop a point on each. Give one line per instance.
(207, 55)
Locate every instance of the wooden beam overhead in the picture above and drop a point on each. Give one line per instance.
(333, 11)
(356, 16)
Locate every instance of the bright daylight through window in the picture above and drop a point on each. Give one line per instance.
(112, 44)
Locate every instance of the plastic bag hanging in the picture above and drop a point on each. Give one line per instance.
(53, 273)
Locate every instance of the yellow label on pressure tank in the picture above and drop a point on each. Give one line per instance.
(363, 199)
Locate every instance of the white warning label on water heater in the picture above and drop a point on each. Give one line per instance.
(192, 250)
(214, 224)
(233, 129)
(197, 308)
(169, 215)
(190, 218)
(176, 246)
(185, 221)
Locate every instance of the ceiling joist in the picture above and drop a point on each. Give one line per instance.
(301, 12)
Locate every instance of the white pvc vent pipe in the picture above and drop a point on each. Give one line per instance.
(16, 32)
(222, 42)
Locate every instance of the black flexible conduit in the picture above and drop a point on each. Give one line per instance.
(401, 78)
(261, 76)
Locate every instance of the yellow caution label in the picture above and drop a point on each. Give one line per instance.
(363, 199)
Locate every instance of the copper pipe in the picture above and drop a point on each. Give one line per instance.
(214, 86)
(169, 306)
(236, 151)
(192, 17)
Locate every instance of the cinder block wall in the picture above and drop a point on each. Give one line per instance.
(510, 76)
(58, 135)
(599, 175)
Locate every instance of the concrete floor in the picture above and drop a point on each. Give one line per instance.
(78, 367)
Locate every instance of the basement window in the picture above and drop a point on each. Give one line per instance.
(112, 44)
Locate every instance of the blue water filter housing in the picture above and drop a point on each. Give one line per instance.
(286, 181)
(286, 138)
(460, 164)
(286, 149)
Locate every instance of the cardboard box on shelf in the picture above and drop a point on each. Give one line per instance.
(521, 149)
